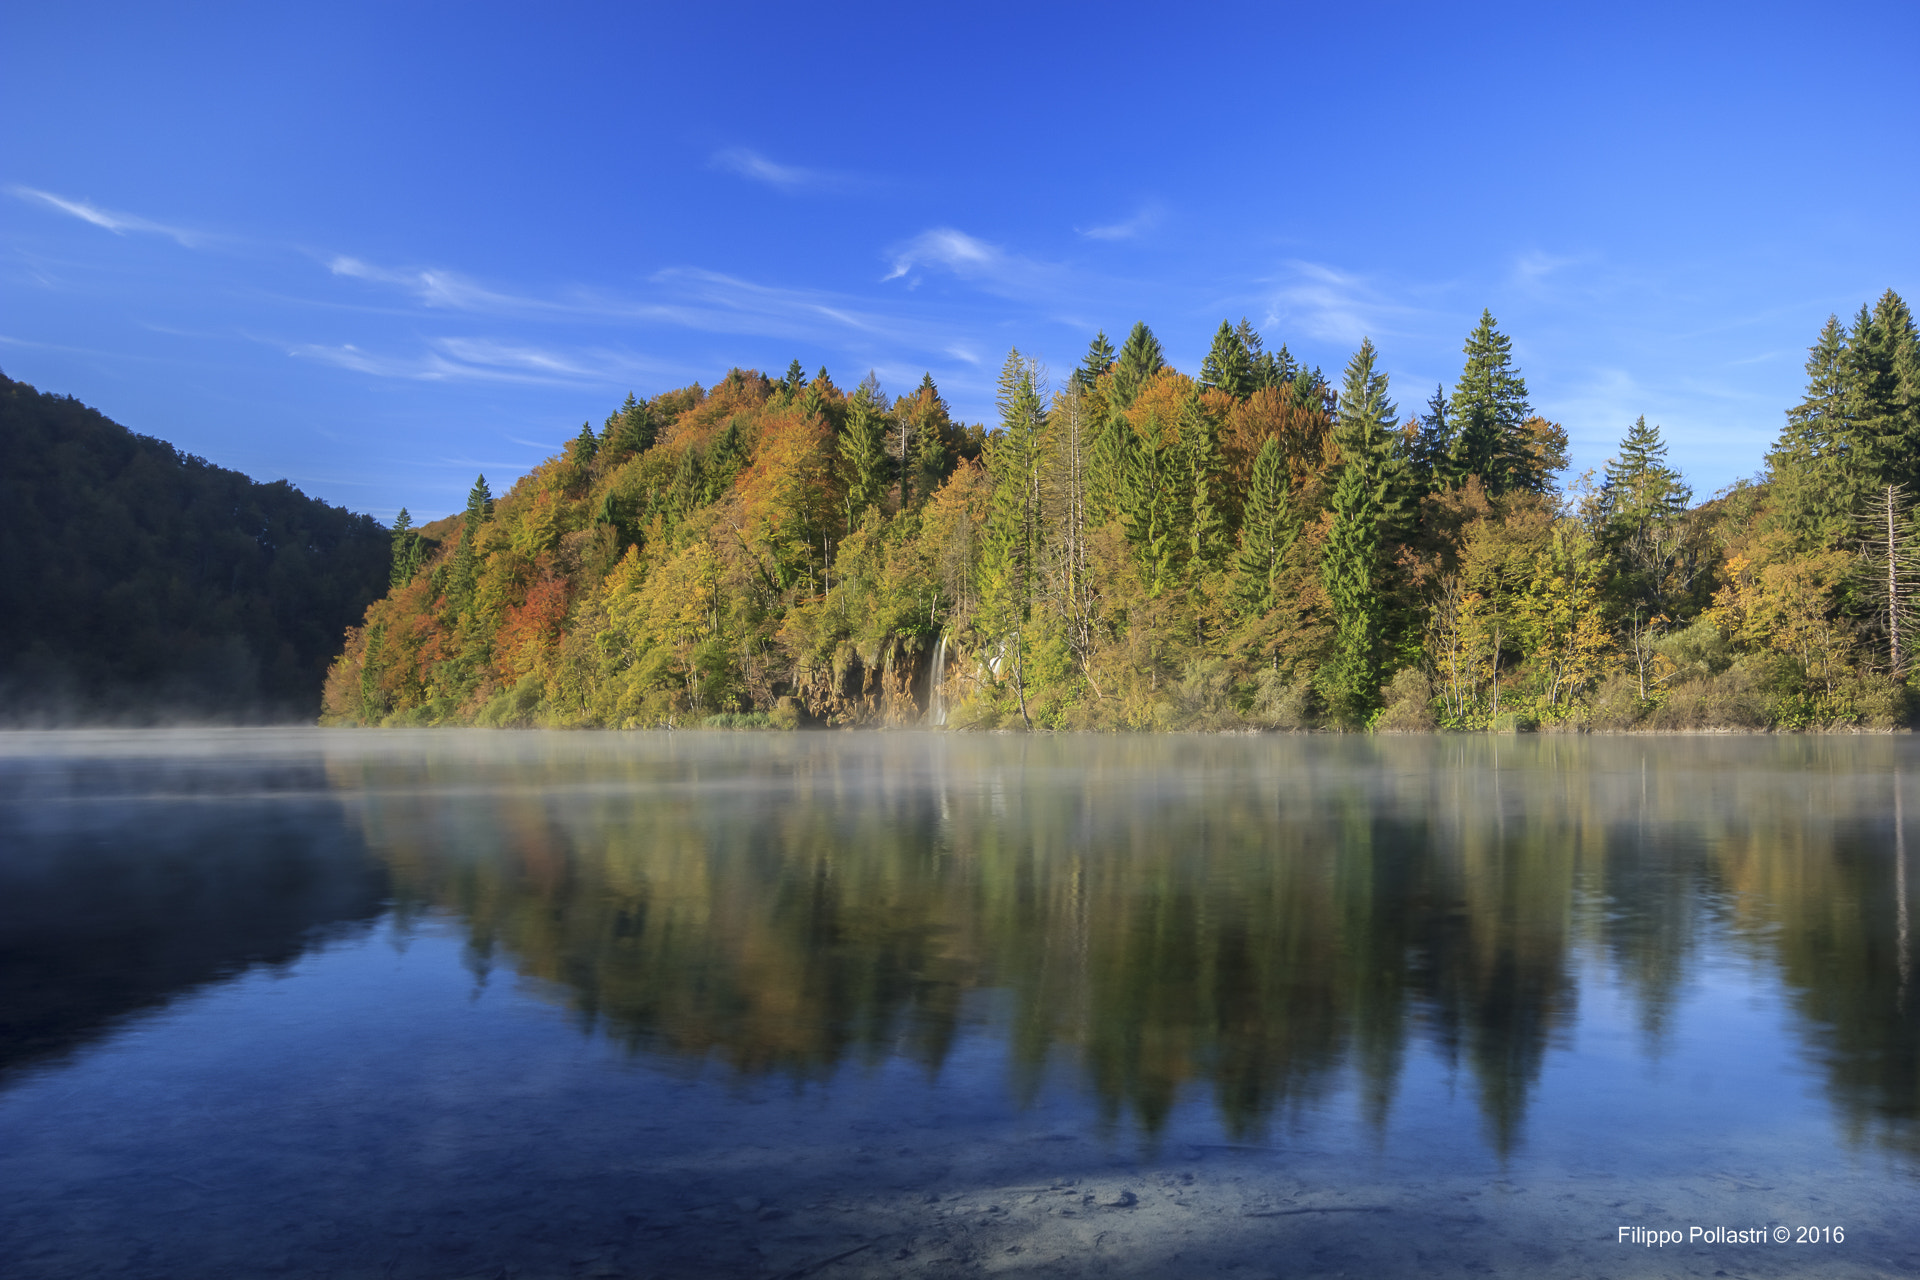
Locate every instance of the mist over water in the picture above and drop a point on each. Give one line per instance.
(445, 1003)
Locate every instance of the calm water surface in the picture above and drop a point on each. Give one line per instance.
(518, 1004)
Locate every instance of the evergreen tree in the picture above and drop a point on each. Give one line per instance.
(1267, 531)
(406, 550)
(1140, 358)
(1149, 505)
(795, 379)
(863, 449)
(1110, 468)
(1641, 501)
(1366, 429)
(1811, 462)
(1370, 504)
(1434, 445)
(1880, 402)
(584, 447)
(465, 573)
(1098, 360)
(1490, 413)
(1202, 487)
(1012, 545)
(1262, 368)
(928, 455)
(630, 431)
(1229, 365)
(1350, 571)
(1307, 388)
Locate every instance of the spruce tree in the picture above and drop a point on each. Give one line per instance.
(1641, 501)
(582, 450)
(631, 431)
(1267, 531)
(1370, 506)
(1098, 360)
(1149, 503)
(1140, 358)
(1261, 366)
(1434, 446)
(1202, 488)
(1012, 545)
(1809, 465)
(795, 379)
(1490, 412)
(863, 449)
(406, 550)
(1228, 365)
(465, 574)
(1350, 571)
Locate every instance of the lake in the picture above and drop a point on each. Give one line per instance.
(398, 1004)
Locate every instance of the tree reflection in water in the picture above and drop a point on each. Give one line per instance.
(1254, 917)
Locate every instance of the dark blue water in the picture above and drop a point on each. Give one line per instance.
(443, 1004)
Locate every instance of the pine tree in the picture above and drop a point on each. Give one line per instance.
(1098, 360)
(1140, 358)
(795, 379)
(1490, 413)
(1229, 365)
(1267, 531)
(863, 449)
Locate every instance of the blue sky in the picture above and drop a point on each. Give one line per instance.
(374, 249)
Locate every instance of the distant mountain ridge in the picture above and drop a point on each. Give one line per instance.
(138, 583)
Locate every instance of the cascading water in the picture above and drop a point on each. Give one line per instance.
(936, 689)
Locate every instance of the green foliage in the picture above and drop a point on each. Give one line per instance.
(1150, 550)
(1140, 358)
(1229, 365)
(1490, 412)
(138, 582)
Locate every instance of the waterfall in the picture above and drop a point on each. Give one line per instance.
(936, 691)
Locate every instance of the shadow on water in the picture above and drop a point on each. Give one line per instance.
(128, 881)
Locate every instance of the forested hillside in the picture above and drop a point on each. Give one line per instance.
(137, 582)
(1249, 545)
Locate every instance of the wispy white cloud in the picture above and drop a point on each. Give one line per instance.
(485, 360)
(1337, 306)
(106, 219)
(984, 265)
(435, 288)
(1138, 225)
(751, 165)
(1534, 266)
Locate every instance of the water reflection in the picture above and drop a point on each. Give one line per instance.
(128, 879)
(1253, 918)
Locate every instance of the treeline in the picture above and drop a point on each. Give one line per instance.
(137, 582)
(1253, 545)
